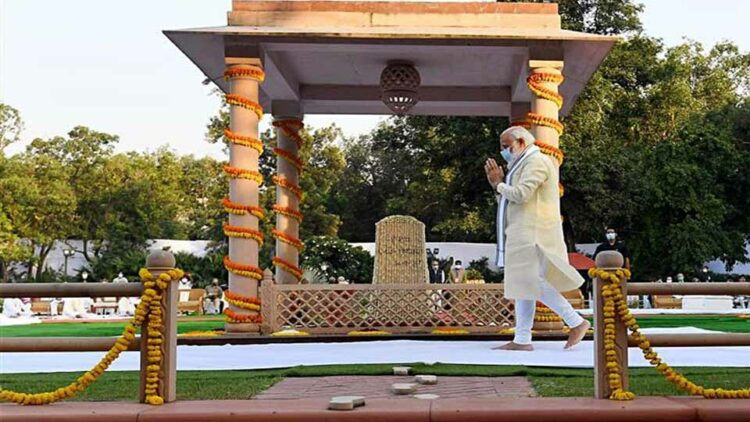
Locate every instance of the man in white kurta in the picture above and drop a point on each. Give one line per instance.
(531, 247)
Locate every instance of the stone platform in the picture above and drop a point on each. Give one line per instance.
(663, 409)
(378, 387)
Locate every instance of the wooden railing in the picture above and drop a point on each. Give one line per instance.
(613, 261)
(157, 263)
(396, 308)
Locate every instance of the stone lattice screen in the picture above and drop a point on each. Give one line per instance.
(331, 309)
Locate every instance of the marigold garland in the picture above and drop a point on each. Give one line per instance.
(248, 141)
(746, 316)
(288, 212)
(289, 185)
(250, 72)
(244, 232)
(288, 267)
(547, 318)
(535, 80)
(244, 102)
(243, 302)
(449, 331)
(291, 129)
(149, 311)
(240, 173)
(541, 120)
(368, 333)
(278, 234)
(615, 305)
(250, 271)
(290, 157)
(550, 150)
(235, 318)
(239, 209)
(211, 333)
(290, 333)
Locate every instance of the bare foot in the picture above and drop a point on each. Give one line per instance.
(577, 334)
(515, 347)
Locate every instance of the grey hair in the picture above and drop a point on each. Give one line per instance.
(518, 132)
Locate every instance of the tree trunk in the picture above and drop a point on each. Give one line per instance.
(44, 250)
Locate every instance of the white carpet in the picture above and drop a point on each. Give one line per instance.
(653, 311)
(397, 351)
(6, 322)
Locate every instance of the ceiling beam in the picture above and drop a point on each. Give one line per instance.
(426, 94)
(550, 50)
(280, 83)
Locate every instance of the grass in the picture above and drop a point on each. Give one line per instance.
(95, 329)
(204, 385)
(729, 324)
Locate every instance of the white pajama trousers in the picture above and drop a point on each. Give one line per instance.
(525, 310)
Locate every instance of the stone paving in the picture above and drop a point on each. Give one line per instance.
(378, 387)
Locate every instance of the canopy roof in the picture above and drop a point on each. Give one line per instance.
(327, 56)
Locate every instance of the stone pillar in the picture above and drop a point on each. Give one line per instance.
(158, 262)
(245, 238)
(608, 260)
(288, 198)
(543, 82)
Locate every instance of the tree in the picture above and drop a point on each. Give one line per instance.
(38, 204)
(11, 126)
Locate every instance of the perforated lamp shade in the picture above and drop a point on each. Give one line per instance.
(399, 83)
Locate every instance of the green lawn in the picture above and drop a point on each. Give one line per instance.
(100, 329)
(195, 385)
(730, 324)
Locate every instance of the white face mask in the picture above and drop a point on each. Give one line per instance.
(611, 236)
(457, 266)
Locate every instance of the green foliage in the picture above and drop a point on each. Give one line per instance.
(352, 262)
(482, 267)
(204, 269)
(11, 126)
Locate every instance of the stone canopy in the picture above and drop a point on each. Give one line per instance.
(325, 57)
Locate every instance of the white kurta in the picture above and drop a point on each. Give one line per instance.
(534, 242)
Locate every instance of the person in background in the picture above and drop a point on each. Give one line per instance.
(457, 273)
(437, 275)
(331, 280)
(680, 278)
(120, 278)
(612, 244)
(212, 304)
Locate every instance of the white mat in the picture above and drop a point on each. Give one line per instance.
(7, 322)
(658, 311)
(266, 356)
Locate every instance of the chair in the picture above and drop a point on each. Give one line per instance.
(194, 302)
(667, 302)
(575, 297)
(40, 306)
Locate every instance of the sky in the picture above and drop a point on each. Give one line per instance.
(105, 64)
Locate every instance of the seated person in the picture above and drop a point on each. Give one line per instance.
(213, 304)
(14, 307)
(76, 307)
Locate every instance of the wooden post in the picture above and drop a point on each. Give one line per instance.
(157, 263)
(608, 260)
